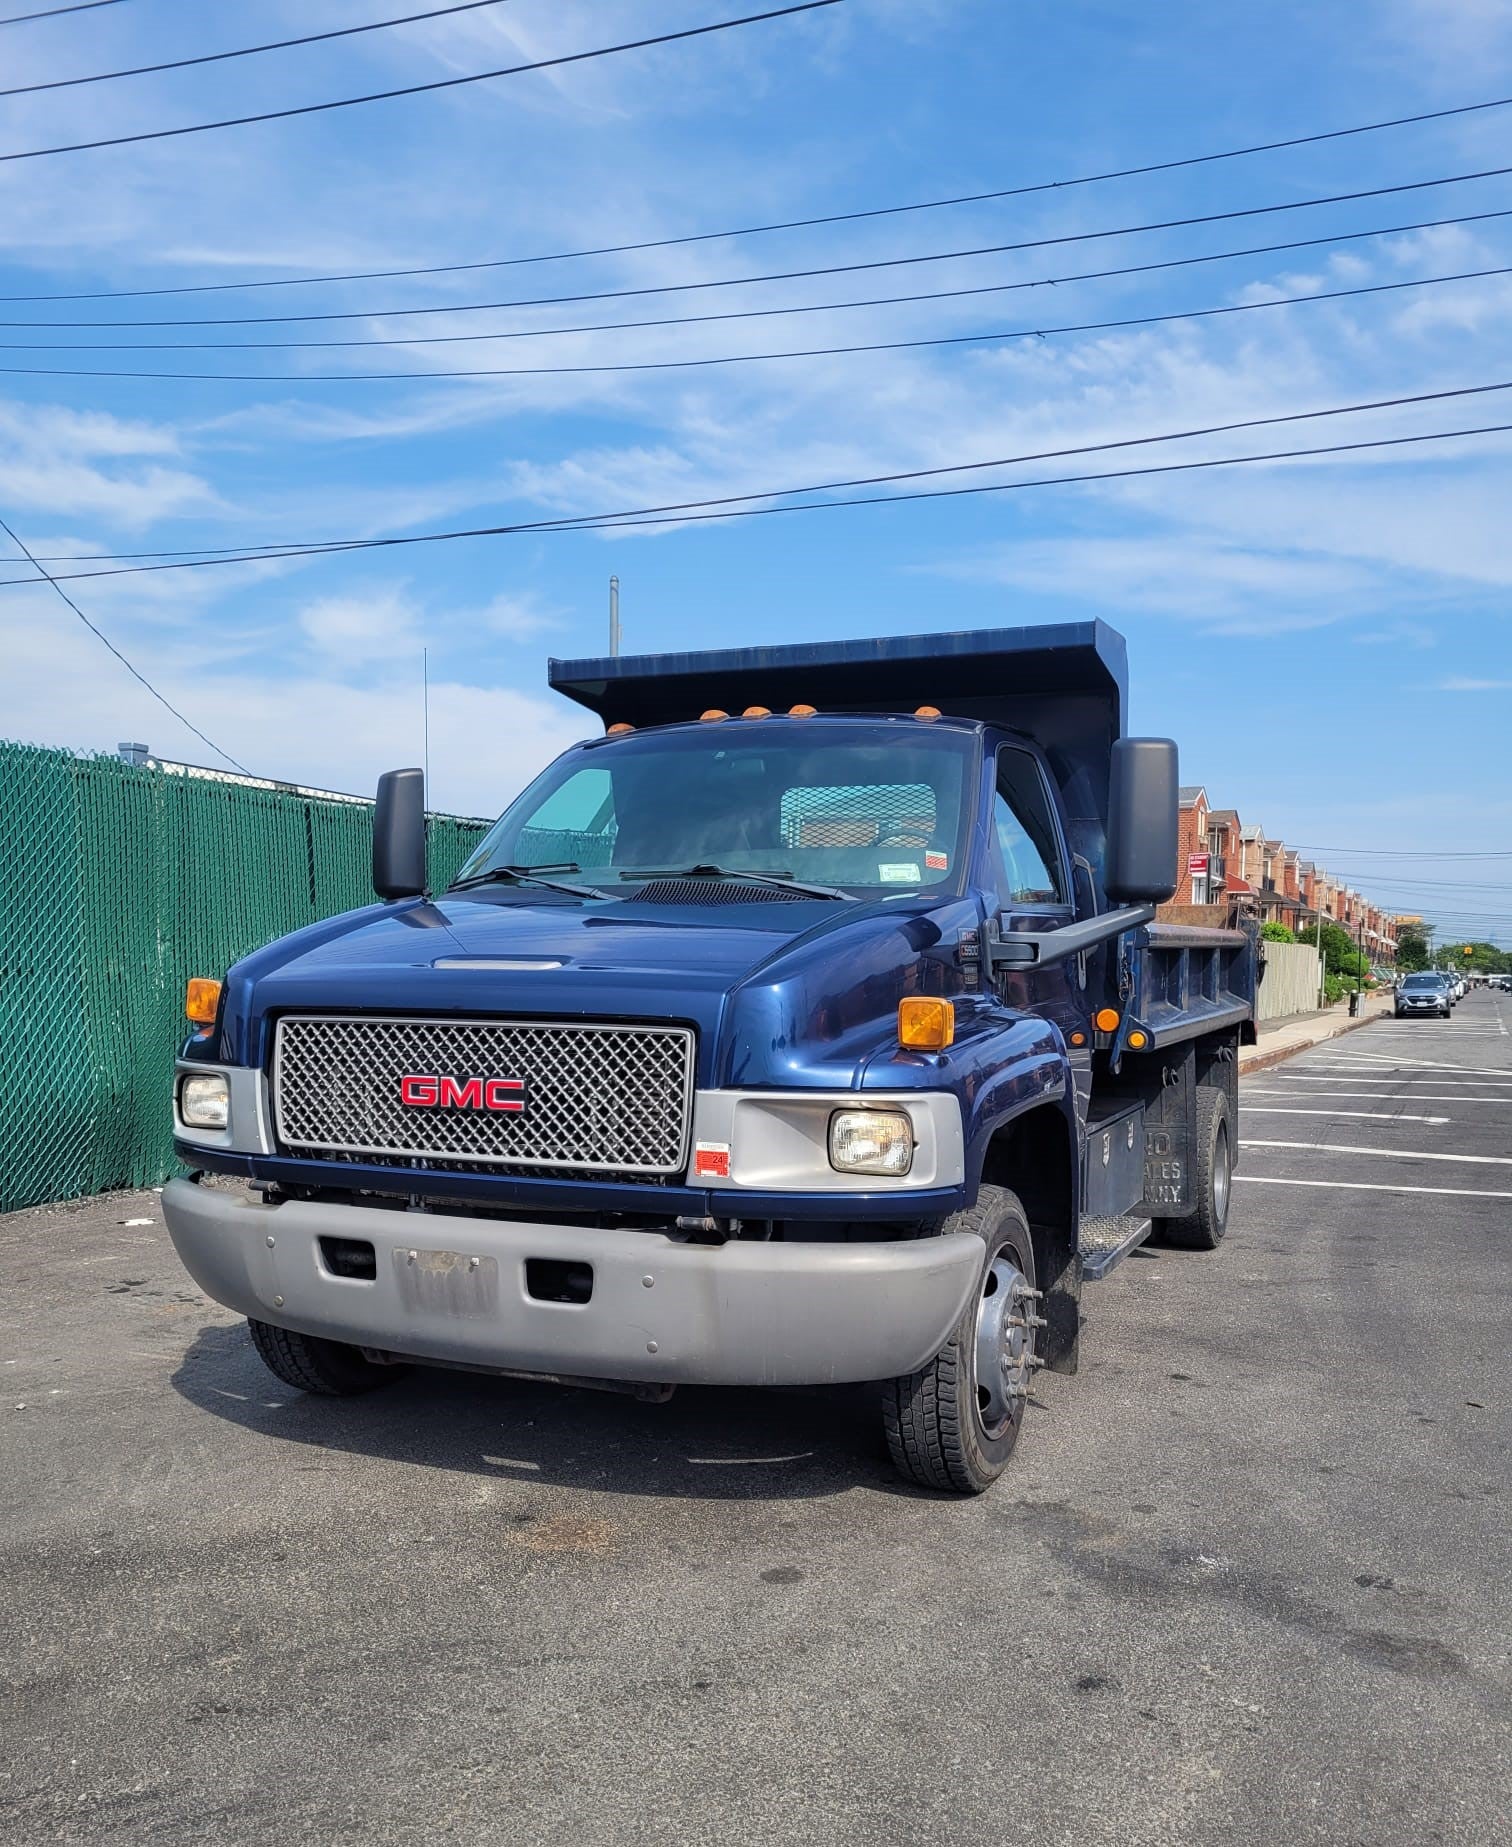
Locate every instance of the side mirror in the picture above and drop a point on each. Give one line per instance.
(1143, 822)
(399, 835)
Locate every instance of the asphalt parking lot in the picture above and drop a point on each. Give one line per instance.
(1247, 1580)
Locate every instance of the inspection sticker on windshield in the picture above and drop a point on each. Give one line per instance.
(937, 862)
(711, 1160)
(899, 875)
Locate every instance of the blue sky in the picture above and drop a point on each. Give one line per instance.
(1326, 640)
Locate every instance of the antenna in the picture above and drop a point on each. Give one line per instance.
(614, 619)
(425, 711)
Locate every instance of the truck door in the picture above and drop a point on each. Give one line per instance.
(1031, 868)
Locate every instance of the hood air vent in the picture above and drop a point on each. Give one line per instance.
(714, 891)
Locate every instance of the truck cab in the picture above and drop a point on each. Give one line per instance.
(806, 1025)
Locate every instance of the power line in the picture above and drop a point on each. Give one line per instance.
(420, 89)
(1403, 853)
(810, 352)
(249, 51)
(740, 314)
(731, 506)
(135, 672)
(52, 12)
(785, 275)
(789, 224)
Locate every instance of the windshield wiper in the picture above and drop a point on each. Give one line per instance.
(530, 875)
(705, 870)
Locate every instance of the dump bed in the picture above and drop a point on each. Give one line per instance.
(1188, 982)
(1062, 684)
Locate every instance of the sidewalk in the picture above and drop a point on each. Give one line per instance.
(1281, 1039)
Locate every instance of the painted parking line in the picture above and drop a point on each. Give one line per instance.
(1371, 1186)
(1430, 1067)
(1368, 1096)
(1477, 1085)
(1385, 1154)
(1355, 1115)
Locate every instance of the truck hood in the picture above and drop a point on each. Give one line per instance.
(761, 982)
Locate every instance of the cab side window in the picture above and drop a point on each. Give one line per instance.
(1029, 856)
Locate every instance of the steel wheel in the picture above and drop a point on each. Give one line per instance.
(1223, 1168)
(1005, 1326)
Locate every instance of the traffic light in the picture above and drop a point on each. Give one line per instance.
(1469, 949)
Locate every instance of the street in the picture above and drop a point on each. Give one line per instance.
(1246, 1581)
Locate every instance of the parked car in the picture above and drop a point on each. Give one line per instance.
(1428, 993)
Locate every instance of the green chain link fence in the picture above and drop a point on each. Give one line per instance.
(117, 883)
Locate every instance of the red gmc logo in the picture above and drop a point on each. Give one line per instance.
(495, 1093)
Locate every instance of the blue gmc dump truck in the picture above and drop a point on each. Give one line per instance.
(809, 1025)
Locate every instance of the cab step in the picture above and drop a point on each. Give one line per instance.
(1105, 1242)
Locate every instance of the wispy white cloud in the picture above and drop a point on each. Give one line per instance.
(1461, 683)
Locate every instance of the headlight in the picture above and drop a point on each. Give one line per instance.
(205, 1102)
(871, 1141)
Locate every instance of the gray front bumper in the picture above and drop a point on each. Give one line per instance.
(452, 1288)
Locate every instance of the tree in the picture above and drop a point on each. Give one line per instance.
(1276, 933)
(1340, 956)
(1413, 951)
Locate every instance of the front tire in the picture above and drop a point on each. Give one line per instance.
(952, 1426)
(1212, 1176)
(328, 1368)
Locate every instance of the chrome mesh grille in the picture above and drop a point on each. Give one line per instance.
(610, 1099)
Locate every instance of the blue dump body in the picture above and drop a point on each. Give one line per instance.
(807, 1026)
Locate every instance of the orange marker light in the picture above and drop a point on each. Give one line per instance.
(201, 998)
(1138, 1041)
(757, 711)
(1078, 1038)
(800, 711)
(712, 714)
(927, 712)
(1106, 1019)
(925, 1024)
(619, 730)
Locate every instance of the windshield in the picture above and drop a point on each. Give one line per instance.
(1423, 981)
(874, 809)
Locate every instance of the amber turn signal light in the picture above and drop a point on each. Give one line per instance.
(925, 1024)
(1106, 1019)
(1138, 1041)
(201, 998)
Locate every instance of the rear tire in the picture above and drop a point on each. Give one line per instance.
(328, 1368)
(952, 1426)
(1212, 1176)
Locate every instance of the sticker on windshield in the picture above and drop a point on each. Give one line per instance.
(899, 875)
(937, 862)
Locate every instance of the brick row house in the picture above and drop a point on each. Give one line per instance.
(1227, 871)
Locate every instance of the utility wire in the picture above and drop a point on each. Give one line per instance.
(420, 89)
(785, 275)
(52, 12)
(809, 352)
(249, 51)
(135, 672)
(744, 314)
(615, 523)
(788, 224)
(1403, 853)
(821, 487)
(731, 505)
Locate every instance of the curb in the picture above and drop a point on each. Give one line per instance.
(1262, 1061)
